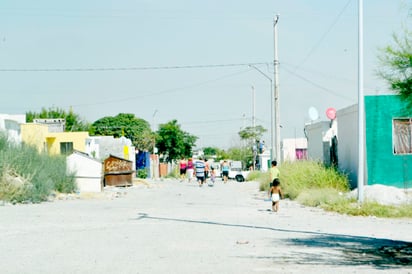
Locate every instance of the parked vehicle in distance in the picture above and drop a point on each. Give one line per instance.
(236, 172)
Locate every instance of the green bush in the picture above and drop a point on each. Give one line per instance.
(12, 187)
(253, 175)
(321, 197)
(142, 173)
(302, 175)
(351, 207)
(29, 176)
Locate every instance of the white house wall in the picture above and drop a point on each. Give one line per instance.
(347, 119)
(10, 123)
(101, 147)
(315, 133)
(88, 172)
(289, 148)
(263, 159)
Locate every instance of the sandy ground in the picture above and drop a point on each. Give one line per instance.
(172, 227)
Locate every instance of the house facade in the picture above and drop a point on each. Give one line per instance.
(347, 123)
(388, 141)
(53, 143)
(319, 140)
(10, 124)
(101, 147)
(294, 149)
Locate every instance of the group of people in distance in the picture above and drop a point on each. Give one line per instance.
(200, 168)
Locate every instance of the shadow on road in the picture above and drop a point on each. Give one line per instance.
(349, 251)
(326, 248)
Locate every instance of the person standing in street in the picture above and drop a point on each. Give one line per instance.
(200, 171)
(182, 168)
(225, 171)
(190, 170)
(212, 175)
(206, 170)
(274, 172)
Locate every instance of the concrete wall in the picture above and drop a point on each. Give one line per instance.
(35, 135)
(101, 147)
(19, 118)
(384, 166)
(10, 123)
(89, 172)
(315, 133)
(347, 121)
(289, 148)
(264, 160)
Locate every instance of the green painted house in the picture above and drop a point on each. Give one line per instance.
(388, 124)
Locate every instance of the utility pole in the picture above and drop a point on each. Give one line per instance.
(276, 89)
(361, 114)
(253, 128)
(155, 164)
(272, 118)
(253, 109)
(154, 128)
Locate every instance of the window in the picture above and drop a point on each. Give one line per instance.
(402, 136)
(66, 147)
(301, 154)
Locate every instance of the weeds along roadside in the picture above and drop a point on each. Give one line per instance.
(313, 184)
(29, 176)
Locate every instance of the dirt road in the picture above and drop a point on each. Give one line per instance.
(173, 227)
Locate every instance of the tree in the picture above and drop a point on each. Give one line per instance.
(210, 151)
(252, 133)
(396, 68)
(124, 124)
(243, 154)
(73, 121)
(173, 142)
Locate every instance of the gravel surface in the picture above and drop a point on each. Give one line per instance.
(176, 227)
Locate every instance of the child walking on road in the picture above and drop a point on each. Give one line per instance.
(212, 174)
(276, 194)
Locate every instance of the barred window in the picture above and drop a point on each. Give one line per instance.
(66, 148)
(402, 136)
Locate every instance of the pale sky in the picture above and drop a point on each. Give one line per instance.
(188, 60)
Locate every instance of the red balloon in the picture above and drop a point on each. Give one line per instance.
(331, 113)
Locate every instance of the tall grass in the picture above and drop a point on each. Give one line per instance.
(313, 184)
(296, 177)
(29, 176)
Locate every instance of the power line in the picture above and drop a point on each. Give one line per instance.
(318, 73)
(312, 50)
(319, 86)
(126, 68)
(166, 91)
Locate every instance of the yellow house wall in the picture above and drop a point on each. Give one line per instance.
(77, 138)
(35, 135)
(38, 135)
